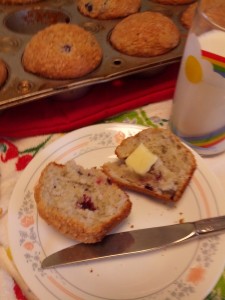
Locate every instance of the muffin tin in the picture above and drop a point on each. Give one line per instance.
(20, 22)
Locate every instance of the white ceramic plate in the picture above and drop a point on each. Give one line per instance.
(186, 271)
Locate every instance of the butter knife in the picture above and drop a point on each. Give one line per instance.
(135, 241)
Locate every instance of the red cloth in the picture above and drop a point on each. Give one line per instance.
(104, 100)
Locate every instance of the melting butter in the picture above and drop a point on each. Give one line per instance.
(141, 159)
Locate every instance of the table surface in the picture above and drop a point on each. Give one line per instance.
(17, 153)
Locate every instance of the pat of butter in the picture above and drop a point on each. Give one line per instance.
(141, 159)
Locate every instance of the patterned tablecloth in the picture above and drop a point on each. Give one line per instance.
(15, 155)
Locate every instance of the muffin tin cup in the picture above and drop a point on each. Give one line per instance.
(20, 22)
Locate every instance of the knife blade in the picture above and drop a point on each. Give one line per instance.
(135, 241)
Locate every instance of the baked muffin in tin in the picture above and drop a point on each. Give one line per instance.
(174, 2)
(145, 34)
(18, 1)
(3, 73)
(188, 15)
(62, 51)
(108, 9)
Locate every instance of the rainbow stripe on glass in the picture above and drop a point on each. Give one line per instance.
(208, 140)
(217, 61)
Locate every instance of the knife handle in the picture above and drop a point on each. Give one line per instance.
(210, 225)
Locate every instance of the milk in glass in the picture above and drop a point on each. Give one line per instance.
(198, 114)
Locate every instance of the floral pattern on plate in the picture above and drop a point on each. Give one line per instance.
(188, 269)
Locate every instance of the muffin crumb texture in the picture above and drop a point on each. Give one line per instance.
(81, 203)
(167, 178)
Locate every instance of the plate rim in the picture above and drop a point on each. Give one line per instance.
(103, 126)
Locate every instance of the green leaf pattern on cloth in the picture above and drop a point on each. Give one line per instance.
(218, 293)
(139, 117)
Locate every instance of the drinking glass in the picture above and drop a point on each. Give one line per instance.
(198, 113)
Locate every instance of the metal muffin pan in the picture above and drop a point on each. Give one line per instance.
(20, 22)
